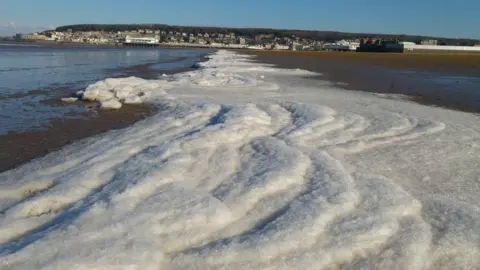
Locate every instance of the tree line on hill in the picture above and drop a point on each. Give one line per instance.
(327, 36)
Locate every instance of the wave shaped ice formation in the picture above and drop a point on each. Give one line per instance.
(234, 173)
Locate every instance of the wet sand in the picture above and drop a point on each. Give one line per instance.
(446, 80)
(17, 148)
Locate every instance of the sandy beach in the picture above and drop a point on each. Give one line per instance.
(457, 63)
(445, 80)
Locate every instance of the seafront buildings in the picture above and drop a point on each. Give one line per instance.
(182, 39)
(152, 37)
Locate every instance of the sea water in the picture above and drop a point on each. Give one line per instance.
(31, 74)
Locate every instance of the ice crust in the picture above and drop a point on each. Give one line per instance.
(247, 166)
(112, 93)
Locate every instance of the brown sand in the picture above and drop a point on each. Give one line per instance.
(446, 80)
(17, 148)
(453, 63)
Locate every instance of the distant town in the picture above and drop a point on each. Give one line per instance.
(216, 38)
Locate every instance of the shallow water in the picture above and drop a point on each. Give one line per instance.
(53, 71)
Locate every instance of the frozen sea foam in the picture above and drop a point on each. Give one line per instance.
(246, 166)
(112, 93)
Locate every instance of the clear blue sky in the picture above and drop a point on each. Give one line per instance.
(460, 18)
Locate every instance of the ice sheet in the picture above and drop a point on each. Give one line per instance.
(247, 166)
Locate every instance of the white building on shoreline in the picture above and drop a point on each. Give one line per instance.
(142, 40)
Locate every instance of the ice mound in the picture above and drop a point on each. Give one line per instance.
(268, 183)
(113, 92)
(236, 63)
(217, 72)
(213, 78)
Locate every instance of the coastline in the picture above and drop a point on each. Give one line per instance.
(241, 158)
(52, 44)
(20, 147)
(447, 81)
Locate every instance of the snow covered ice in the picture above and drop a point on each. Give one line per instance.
(111, 93)
(247, 166)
